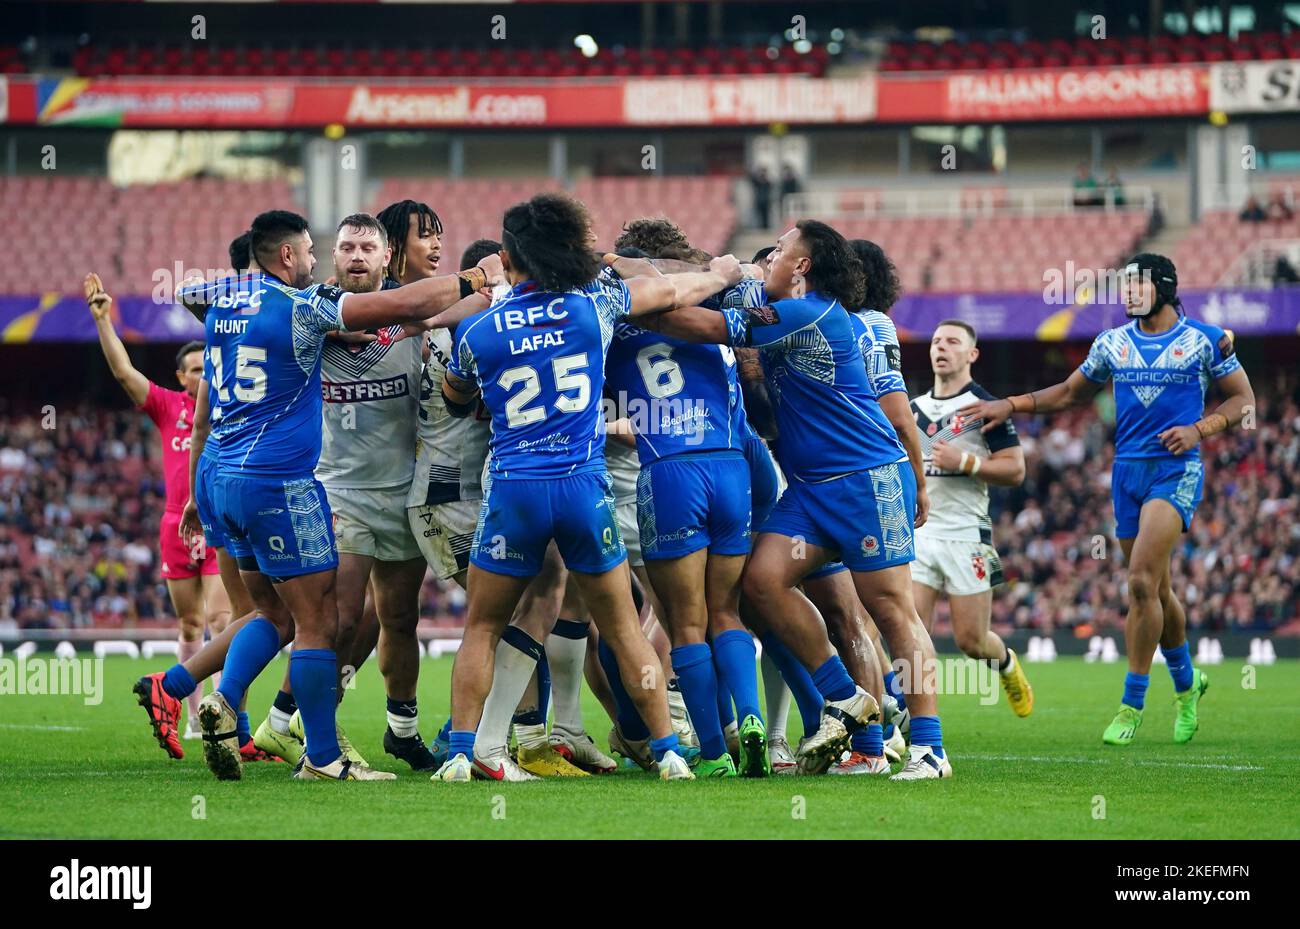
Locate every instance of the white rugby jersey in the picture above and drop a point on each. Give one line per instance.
(449, 450)
(368, 439)
(959, 503)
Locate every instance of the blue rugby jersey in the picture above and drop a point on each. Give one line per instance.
(262, 363)
(826, 410)
(539, 360)
(681, 397)
(1160, 380)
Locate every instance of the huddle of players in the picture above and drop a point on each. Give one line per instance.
(694, 567)
(548, 516)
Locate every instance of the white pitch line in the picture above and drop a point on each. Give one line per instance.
(1151, 764)
(43, 728)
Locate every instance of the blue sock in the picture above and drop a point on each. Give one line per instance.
(870, 740)
(461, 743)
(242, 731)
(894, 690)
(629, 720)
(444, 734)
(926, 731)
(737, 662)
(250, 651)
(178, 682)
(1180, 666)
(543, 686)
(1135, 690)
(726, 714)
(800, 682)
(313, 675)
(661, 747)
(698, 686)
(833, 681)
(284, 702)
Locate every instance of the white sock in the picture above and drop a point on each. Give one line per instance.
(511, 673)
(279, 720)
(530, 736)
(566, 656)
(404, 726)
(777, 700)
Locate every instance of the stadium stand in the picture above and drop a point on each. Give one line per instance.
(79, 510)
(79, 514)
(471, 208)
(247, 60)
(1084, 51)
(134, 227)
(1212, 247)
(953, 253)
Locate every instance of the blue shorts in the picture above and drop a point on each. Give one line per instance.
(519, 518)
(763, 484)
(865, 517)
(282, 528)
(204, 473)
(689, 502)
(1134, 481)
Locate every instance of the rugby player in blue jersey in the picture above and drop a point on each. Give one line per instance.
(1162, 364)
(264, 338)
(537, 358)
(693, 510)
(851, 496)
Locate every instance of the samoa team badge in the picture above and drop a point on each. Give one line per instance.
(870, 546)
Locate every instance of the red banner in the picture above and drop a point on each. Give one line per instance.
(957, 97)
(1024, 94)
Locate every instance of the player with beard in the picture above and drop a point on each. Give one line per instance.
(265, 371)
(1162, 364)
(366, 463)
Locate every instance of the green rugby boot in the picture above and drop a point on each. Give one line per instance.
(1124, 726)
(1185, 706)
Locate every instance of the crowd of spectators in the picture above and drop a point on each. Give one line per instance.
(81, 497)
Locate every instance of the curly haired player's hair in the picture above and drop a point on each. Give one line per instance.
(548, 238)
(653, 236)
(882, 284)
(836, 270)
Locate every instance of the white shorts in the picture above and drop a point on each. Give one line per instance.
(445, 534)
(956, 567)
(372, 523)
(630, 530)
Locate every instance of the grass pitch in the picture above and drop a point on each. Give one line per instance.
(68, 770)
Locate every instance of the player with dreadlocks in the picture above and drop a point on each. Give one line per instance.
(415, 232)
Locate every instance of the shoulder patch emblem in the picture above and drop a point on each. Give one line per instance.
(1226, 348)
(765, 315)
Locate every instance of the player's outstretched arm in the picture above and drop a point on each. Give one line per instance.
(202, 425)
(1075, 390)
(452, 316)
(690, 324)
(1240, 400)
(133, 382)
(421, 300)
(1003, 468)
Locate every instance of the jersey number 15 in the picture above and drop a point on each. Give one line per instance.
(249, 360)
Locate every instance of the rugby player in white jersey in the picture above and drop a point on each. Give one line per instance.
(366, 465)
(954, 549)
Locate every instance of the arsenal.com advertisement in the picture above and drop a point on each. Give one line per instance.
(985, 96)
